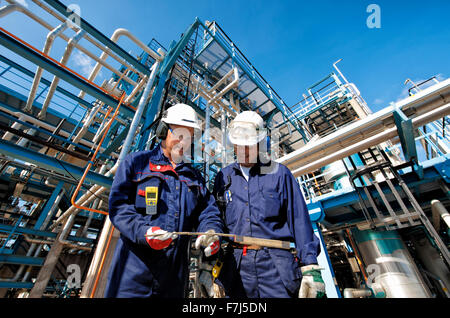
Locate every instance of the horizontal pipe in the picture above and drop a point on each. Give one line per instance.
(45, 81)
(357, 293)
(24, 230)
(370, 142)
(368, 127)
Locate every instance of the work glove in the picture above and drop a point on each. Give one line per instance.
(210, 242)
(159, 239)
(312, 285)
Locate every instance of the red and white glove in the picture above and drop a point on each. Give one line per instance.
(210, 242)
(159, 239)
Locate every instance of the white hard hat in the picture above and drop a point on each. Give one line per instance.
(182, 115)
(246, 129)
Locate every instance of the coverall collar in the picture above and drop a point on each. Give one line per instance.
(160, 163)
(255, 169)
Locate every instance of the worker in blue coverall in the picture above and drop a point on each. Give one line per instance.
(150, 260)
(261, 198)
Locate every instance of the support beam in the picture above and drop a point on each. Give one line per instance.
(43, 161)
(405, 131)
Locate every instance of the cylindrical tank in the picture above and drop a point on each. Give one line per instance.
(389, 264)
(336, 172)
(431, 259)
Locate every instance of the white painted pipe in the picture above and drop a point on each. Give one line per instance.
(371, 141)
(37, 77)
(15, 7)
(90, 39)
(124, 32)
(439, 211)
(373, 124)
(84, 129)
(357, 293)
(51, 36)
(68, 51)
(115, 37)
(85, 199)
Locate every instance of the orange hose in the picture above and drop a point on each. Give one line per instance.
(102, 263)
(61, 65)
(92, 160)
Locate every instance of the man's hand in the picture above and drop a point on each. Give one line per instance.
(312, 285)
(159, 239)
(211, 242)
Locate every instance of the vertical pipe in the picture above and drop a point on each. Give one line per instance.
(223, 127)
(38, 75)
(69, 48)
(93, 274)
(37, 78)
(137, 117)
(206, 135)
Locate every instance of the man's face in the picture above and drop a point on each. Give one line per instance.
(247, 156)
(179, 139)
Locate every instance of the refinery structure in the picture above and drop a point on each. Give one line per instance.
(376, 183)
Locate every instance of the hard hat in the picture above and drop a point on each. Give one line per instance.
(246, 129)
(182, 115)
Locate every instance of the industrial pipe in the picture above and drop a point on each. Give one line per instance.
(357, 293)
(115, 37)
(19, 8)
(371, 141)
(93, 158)
(68, 51)
(42, 124)
(439, 211)
(422, 103)
(37, 77)
(94, 271)
(51, 36)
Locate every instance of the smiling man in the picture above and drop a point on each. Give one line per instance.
(154, 194)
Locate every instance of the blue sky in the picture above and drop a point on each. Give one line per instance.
(293, 44)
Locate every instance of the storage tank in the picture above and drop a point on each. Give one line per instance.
(390, 264)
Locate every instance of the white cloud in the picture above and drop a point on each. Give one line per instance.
(85, 62)
(378, 101)
(22, 2)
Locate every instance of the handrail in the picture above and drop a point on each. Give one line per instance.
(74, 196)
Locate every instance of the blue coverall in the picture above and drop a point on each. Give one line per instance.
(269, 205)
(184, 204)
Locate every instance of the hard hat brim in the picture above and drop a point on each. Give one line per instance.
(247, 141)
(183, 123)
